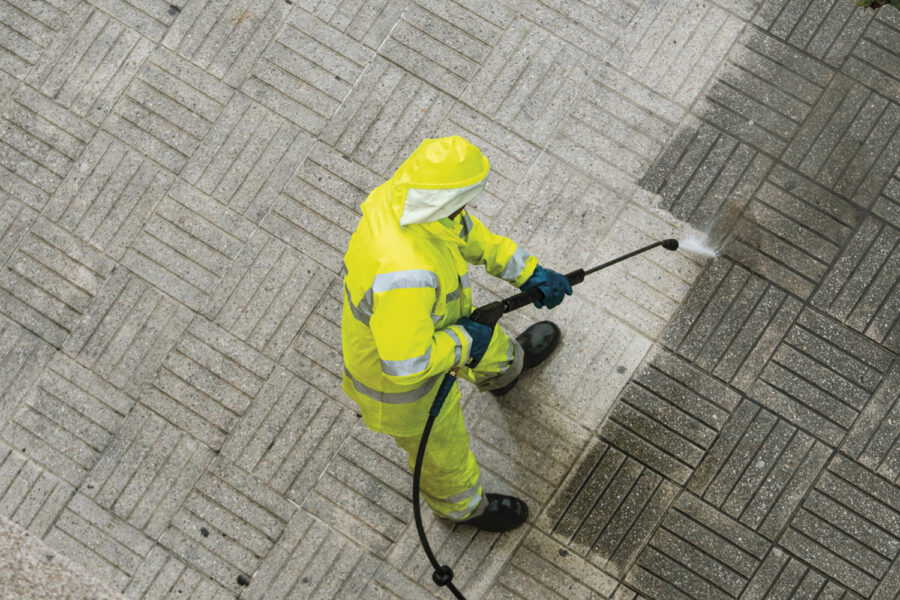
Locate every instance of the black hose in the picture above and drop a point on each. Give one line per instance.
(443, 574)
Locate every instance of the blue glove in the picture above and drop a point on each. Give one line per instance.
(552, 284)
(481, 337)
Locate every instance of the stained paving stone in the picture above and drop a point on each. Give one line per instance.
(759, 469)
(821, 376)
(29, 495)
(227, 525)
(873, 441)
(670, 417)
(874, 60)
(697, 552)
(848, 526)
(784, 576)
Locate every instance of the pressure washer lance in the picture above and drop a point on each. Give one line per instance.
(489, 314)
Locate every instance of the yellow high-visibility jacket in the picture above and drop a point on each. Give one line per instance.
(407, 283)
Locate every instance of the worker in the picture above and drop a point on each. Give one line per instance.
(407, 297)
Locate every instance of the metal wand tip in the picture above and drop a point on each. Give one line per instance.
(670, 244)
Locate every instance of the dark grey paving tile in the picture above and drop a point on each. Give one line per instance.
(782, 576)
(874, 440)
(759, 469)
(821, 376)
(697, 552)
(669, 416)
(731, 323)
(875, 60)
(848, 526)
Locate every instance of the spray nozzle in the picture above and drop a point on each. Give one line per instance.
(670, 244)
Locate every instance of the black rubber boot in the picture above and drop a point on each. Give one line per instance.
(539, 341)
(503, 513)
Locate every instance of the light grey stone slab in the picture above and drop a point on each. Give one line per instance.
(247, 157)
(146, 472)
(375, 129)
(108, 195)
(31, 496)
(225, 40)
(593, 27)
(162, 576)
(90, 63)
(368, 21)
(307, 71)
(23, 356)
(28, 31)
(15, 221)
(150, 18)
(227, 525)
(207, 382)
(67, 419)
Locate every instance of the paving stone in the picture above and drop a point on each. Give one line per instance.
(248, 156)
(289, 435)
(187, 245)
(784, 576)
(307, 71)
(50, 281)
(268, 294)
(674, 46)
(227, 525)
(731, 323)
(39, 143)
(444, 43)
(15, 221)
(23, 356)
(106, 546)
(207, 382)
(759, 469)
(90, 62)
(150, 18)
(847, 142)
(593, 27)
(376, 130)
(542, 568)
(825, 29)
(697, 553)
(821, 376)
(771, 241)
(366, 491)
(530, 81)
(607, 508)
(861, 290)
(369, 21)
(848, 527)
(168, 109)
(108, 195)
(873, 441)
(669, 416)
(874, 60)
(311, 560)
(146, 472)
(163, 576)
(67, 419)
(127, 332)
(225, 39)
(611, 136)
(30, 495)
(27, 31)
(888, 204)
(389, 584)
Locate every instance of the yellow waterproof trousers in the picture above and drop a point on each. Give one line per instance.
(451, 479)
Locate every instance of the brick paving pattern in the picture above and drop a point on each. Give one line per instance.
(179, 180)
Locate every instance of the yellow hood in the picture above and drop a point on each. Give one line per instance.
(441, 176)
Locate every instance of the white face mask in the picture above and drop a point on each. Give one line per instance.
(425, 206)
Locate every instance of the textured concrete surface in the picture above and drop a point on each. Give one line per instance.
(178, 182)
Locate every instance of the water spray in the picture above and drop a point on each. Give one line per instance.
(489, 314)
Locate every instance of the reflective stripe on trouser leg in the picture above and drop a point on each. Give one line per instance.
(501, 363)
(451, 479)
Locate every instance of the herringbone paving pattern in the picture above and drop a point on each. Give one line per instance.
(179, 180)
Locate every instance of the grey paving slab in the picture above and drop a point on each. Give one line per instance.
(874, 58)
(24, 356)
(32, 497)
(163, 575)
(28, 31)
(873, 441)
(368, 21)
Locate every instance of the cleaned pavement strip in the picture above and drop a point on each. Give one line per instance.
(178, 182)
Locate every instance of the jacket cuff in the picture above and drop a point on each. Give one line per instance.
(462, 344)
(531, 264)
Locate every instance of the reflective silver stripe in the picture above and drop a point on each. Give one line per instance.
(363, 310)
(413, 278)
(457, 351)
(408, 366)
(464, 495)
(394, 397)
(467, 226)
(515, 265)
(453, 295)
(464, 282)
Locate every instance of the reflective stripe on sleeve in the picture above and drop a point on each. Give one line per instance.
(464, 281)
(453, 295)
(515, 265)
(467, 226)
(412, 278)
(406, 397)
(363, 310)
(408, 366)
(457, 349)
